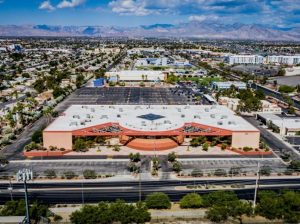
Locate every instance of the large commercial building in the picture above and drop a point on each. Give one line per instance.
(152, 61)
(228, 85)
(258, 59)
(283, 59)
(289, 126)
(245, 59)
(137, 75)
(149, 127)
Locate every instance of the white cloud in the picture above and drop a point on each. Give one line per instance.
(70, 3)
(47, 5)
(203, 17)
(130, 7)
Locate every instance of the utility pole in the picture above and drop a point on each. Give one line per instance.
(256, 184)
(25, 175)
(10, 190)
(82, 194)
(140, 186)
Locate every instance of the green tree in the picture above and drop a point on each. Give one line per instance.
(79, 145)
(108, 213)
(270, 205)
(217, 213)
(135, 157)
(295, 165)
(281, 72)
(158, 200)
(172, 157)
(37, 136)
(177, 166)
(17, 208)
(191, 200)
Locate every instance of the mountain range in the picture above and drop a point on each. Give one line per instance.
(193, 29)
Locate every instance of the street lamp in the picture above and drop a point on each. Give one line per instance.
(25, 175)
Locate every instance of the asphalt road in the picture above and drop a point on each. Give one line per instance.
(71, 192)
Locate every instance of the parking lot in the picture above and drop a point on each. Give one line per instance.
(128, 95)
(102, 167)
(249, 165)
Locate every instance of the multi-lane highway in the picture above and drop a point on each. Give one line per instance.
(92, 192)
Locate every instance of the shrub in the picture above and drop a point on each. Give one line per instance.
(89, 174)
(197, 173)
(50, 174)
(57, 218)
(158, 200)
(220, 172)
(191, 200)
(205, 146)
(69, 175)
(247, 149)
(265, 171)
(223, 146)
(116, 148)
(177, 167)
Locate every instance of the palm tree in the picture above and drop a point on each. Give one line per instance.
(48, 113)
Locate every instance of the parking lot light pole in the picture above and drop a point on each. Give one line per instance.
(25, 175)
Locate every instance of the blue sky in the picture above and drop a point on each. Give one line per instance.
(280, 13)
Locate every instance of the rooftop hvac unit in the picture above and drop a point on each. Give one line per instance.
(182, 115)
(88, 116)
(220, 123)
(118, 115)
(213, 116)
(231, 122)
(76, 116)
(73, 123)
(224, 117)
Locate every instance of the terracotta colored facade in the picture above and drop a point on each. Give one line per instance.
(150, 140)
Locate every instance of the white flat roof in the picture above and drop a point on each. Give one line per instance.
(149, 118)
(286, 122)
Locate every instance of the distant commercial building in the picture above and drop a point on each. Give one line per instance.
(227, 85)
(149, 127)
(283, 59)
(137, 75)
(152, 61)
(289, 126)
(245, 59)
